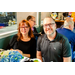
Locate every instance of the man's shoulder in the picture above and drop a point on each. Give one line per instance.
(61, 37)
(59, 29)
(42, 37)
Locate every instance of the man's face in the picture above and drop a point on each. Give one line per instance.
(32, 22)
(49, 26)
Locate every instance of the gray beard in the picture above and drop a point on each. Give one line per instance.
(50, 34)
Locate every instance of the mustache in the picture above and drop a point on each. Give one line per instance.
(48, 29)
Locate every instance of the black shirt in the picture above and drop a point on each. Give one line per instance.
(54, 50)
(36, 34)
(26, 47)
(35, 31)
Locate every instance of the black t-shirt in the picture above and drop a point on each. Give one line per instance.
(54, 50)
(26, 47)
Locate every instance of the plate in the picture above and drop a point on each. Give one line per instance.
(36, 60)
(25, 58)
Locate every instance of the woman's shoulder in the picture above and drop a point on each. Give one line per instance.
(15, 36)
(33, 39)
(14, 39)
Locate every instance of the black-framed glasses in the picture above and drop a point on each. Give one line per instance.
(50, 24)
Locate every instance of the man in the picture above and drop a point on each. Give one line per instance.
(31, 20)
(52, 46)
(67, 31)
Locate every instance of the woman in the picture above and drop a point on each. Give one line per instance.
(24, 40)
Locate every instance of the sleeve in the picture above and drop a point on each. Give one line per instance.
(33, 49)
(66, 48)
(12, 41)
(38, 43)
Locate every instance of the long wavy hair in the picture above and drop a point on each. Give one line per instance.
(30, 33)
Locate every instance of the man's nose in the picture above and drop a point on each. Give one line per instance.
(34, 23)
(48, 26)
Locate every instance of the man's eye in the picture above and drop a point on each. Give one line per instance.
(45, 25)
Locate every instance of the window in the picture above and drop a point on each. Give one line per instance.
(7, 19)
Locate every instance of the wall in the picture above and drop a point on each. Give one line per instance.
(45, 14)
(23, 15)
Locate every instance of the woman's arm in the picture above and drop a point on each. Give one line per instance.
(26, 55)
(12, 42)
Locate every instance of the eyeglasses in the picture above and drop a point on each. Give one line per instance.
(33, 21)
(50, 24)
(24, 27)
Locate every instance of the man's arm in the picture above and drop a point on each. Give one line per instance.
(67, 59)
(39, 56)
(66, 51)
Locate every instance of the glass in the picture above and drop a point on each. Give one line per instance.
(33, 21)
(50, 24)
(7, 19)
(24, 27)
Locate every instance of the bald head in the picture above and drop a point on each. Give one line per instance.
(68, 22)
(49, 19)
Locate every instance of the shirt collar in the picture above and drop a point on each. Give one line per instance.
(67, 29)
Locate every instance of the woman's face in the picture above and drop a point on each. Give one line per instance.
(24, 29)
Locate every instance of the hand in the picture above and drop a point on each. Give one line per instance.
(19, 51)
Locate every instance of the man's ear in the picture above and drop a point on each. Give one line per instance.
(69, 26)
(29, 20)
